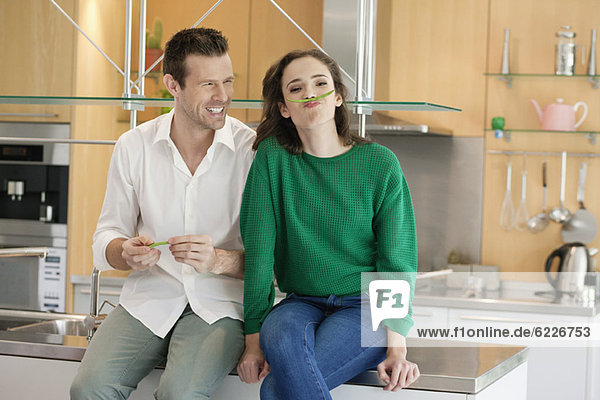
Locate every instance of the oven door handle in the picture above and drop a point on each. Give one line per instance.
(24, 252)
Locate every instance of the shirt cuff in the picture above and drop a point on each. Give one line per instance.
(251, 326)
(401, 326)
(101, 241)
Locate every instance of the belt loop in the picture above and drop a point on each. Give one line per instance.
(331, 301)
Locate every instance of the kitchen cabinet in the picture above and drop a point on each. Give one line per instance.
(31, 378)
(36, 378)
(573, 362)
(37, 58)
(435, 50)
(110, 289)
(577, 365)
(428, 318)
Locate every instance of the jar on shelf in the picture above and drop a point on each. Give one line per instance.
(566, 51)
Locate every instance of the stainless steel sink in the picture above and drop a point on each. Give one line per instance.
(42, 322)
(72, 327)
(10, 322)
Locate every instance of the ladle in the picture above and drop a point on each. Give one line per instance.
(539, 222)
(522, 214)
(561, 214)
(582, 226)
(507, 213)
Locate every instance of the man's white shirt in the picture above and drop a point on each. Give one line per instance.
(150, 191)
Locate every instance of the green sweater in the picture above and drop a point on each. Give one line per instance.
(319, 222)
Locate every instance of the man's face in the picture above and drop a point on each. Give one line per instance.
(208, 90)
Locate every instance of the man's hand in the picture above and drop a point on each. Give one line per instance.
(252, 367)
(138, 255)
(195, 250)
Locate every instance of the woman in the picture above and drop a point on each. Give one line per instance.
(320, 207)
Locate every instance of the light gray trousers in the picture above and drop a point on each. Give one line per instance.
(123, 351)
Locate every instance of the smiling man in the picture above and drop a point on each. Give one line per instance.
(178, 178)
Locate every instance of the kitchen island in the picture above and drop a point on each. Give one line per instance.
(515, 305)
(38, 365)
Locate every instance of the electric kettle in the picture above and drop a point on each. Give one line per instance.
(560, 116)
(575, 261)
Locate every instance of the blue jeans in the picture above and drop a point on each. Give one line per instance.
(313, 344)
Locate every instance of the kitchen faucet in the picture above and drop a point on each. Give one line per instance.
(93, 321)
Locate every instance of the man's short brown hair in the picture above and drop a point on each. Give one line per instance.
(201, 41)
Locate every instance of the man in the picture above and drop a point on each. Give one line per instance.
(178, 178)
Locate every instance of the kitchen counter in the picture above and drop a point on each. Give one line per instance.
(512, 296)
(447, 369)
(517, 296)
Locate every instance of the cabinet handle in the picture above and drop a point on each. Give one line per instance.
(104, 292)
(422, 314)
(29, 115)
(499, 319)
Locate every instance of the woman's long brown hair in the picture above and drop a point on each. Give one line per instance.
(272, 123)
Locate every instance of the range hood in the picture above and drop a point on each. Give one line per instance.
(382, 124)
(339, 40)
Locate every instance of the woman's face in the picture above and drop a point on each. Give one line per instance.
(306, 78)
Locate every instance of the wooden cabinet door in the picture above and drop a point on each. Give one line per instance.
(37, 57)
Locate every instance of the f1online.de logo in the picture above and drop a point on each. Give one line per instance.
(388, 299)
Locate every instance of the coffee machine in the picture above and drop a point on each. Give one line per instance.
(34, 176)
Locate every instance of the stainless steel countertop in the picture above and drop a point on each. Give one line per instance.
(516, 300)
(450, 369)
(513, 296)
(467, 369)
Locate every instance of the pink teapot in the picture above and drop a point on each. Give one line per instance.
(559, 116)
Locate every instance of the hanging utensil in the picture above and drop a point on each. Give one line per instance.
(539, 222)
(507, 213)
(522, 214)
(561, 214)
(582, 226)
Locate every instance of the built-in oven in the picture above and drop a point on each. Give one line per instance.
(33, 213)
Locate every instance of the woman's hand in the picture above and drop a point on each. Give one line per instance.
(396, 371)
(252, 367)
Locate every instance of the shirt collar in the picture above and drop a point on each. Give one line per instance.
(223, 135)
(164, 128)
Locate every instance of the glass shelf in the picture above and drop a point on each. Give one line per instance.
(508, 78)
(236, 103)
(506, 133)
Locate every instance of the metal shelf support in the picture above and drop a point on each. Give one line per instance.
(508, 79)
(507, 135)
(542, 154)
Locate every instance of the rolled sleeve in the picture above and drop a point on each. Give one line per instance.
(258, 228)
(120, 210)
(397, 239)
